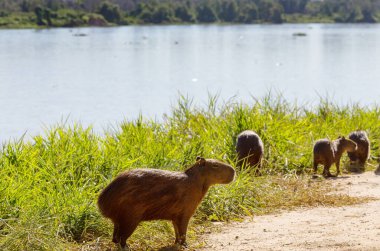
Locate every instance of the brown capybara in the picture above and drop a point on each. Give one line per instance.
(328, 152)
(249, 148)
(152, 194)
(361, 155)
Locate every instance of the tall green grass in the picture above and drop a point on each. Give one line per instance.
(49, 185)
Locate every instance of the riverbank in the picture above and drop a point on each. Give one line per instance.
(50, 184)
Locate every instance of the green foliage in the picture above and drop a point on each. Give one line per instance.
(50, 183)
(206, 13)
(185, 14)
(17, 20)
(249, 13)
(39, 15)
(189, 11)
(270, 11)
(294, 6)
(111, 12)
(229, 11)
(155, 13)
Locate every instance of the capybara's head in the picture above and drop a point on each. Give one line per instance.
(347, 144)
(215, 171)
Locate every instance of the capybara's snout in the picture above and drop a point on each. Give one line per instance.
(230, 175)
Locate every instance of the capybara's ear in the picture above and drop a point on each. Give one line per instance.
(339, 137)
(201, 160)
(343, 137)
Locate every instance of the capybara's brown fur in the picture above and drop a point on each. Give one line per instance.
(152, 194)
(361, 155)
(249, 148)
(328, 152)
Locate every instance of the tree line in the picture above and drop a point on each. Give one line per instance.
(102, 12)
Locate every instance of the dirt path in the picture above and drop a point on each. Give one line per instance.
(344, 228)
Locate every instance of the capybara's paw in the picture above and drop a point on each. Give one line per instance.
(125, 248)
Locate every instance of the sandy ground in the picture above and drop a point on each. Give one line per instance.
(322, 228)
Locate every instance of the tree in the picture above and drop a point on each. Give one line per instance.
(39, 12)
(111, 12)
(293, 6)
(54, 4)
(25, 6)
(184, 13)
(368, 16)
(276, 15)
(229, 11)
(270, 11)
(206, 14)
(368, 11)
(163, 13)
(249, 13)
(47, 16)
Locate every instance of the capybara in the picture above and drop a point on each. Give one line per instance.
(249, 148)
(328, 152)
(361, 155)
(152, 194)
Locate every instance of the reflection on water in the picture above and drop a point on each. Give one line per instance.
(101, 76)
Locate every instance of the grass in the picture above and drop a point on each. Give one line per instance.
(50, 183)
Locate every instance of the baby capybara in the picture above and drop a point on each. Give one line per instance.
(152, 194)
(249, 148)
(328, 152)
(361, 155)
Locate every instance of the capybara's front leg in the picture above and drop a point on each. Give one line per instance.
(337, 164)
(182, 229)
(126, 229)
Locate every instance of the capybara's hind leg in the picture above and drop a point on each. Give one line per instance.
(315, 167)
(326, 171)
(126, 229)
(116, 236)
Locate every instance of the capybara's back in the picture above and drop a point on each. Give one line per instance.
(136, 190)
(362, 153)
(249, 148)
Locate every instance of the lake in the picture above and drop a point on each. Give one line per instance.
(102, 76)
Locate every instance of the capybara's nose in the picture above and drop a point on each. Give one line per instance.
(232, 176)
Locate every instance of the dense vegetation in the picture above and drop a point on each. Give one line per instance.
(68, 13)
(49, 184)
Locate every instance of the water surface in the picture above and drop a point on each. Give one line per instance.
(100, 76)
